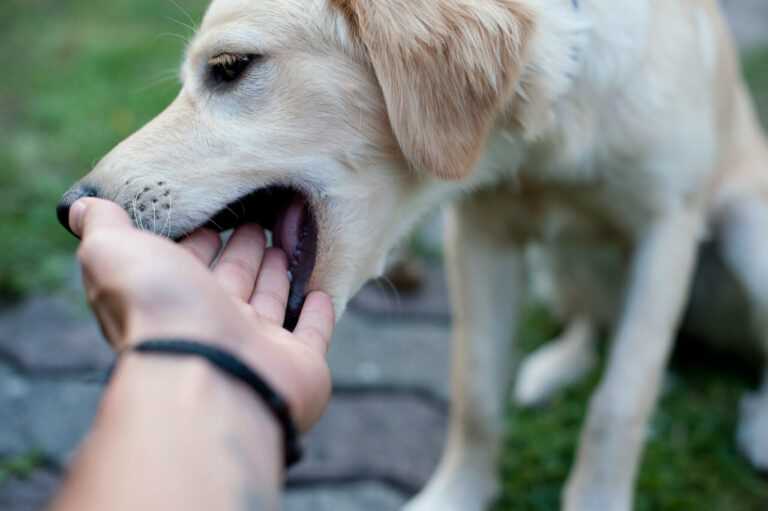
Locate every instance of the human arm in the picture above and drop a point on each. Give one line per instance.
(175, 433)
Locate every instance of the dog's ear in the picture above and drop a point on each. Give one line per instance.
(446, 67)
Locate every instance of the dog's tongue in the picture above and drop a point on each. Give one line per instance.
(288, 228)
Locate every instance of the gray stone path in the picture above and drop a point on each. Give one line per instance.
(376, 445)
(749, 19)
(383, 431)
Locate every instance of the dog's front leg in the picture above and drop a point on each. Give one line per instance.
(613, 436)
(487, 282)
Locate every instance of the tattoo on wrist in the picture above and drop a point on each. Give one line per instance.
(254, 495)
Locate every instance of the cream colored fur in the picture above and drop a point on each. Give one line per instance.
(626, 117)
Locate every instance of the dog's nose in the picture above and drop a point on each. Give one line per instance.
(76, 192)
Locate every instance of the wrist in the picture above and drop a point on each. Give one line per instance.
(174, 390)
(171, 427)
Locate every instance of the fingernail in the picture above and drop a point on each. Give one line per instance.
(76, 214)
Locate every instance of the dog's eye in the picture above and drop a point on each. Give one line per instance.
(229, 67)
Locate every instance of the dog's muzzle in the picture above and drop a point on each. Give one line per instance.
(70, 197)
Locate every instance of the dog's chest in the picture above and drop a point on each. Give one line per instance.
(537, 209)
(616, 201)
(612, 185)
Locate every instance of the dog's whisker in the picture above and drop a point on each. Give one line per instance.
(119, 193)
(193, 25)
(237, 217)
(169, 77)
(220, 228)
(170, 213)
(184, 39)
(178, 22)
(137, 213)
(390, 286)
(134, 213)
(165, 230)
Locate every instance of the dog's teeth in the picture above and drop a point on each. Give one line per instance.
(290, 276)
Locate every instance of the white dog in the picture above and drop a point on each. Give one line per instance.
(339, 123)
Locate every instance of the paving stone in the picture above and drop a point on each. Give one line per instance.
(352, 497)
(749, 21)
(384, 343)
(431, 302)
(31, 494)
(34, 493)
(430, 232)
(395, 438)
(369, 351)
(53, 334)
(46, 415)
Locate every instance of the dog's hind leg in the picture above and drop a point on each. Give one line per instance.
(561, 362)
(582, 276)
(487, 280)
(744, 239)
(613, 436)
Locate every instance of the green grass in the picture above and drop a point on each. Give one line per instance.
(20, 467)
(756, 72)
(690, 461)
(78, 76)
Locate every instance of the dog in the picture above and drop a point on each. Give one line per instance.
(580, 280)
(337, 124)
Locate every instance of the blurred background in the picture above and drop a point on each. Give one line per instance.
(80, 75)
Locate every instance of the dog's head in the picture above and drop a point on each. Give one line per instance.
(334, 123)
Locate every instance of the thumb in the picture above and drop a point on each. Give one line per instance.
(316, 322)
(88, 215)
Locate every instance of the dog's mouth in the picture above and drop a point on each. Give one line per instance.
(288, 215)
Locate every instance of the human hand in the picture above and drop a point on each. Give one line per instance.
(142, 287)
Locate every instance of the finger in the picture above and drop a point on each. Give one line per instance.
(239, 264)
(316, 322)
(89, 215)
(204, 244)
(110, 328)
(270, 298)
(109, 238)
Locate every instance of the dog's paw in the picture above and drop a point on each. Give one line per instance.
(553, 367)
(596, 498)
(463, 497)
(458, 487)
(752, 434)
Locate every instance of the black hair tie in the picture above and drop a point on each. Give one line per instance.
(234, 367)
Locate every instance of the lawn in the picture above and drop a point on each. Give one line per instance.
(690, 462)
(80, 75)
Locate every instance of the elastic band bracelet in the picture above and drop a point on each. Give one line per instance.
(235, 368)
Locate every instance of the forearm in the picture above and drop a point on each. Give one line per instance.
(174, 433)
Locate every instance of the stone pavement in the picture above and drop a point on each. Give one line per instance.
(377, 444)
(375, 447)
(749, 20)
